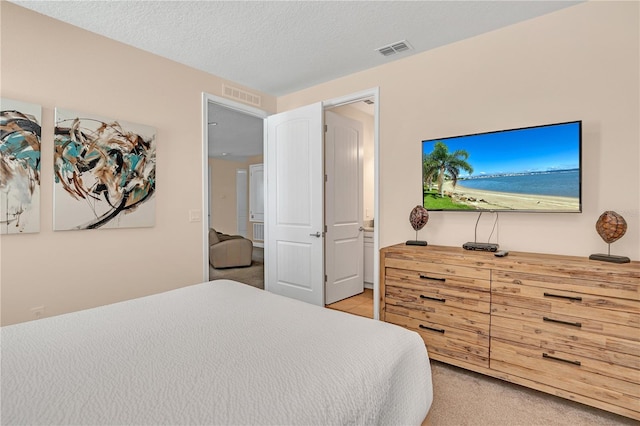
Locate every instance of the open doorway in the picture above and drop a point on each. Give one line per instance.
(363, 112)
(372, 95)
(234, 134)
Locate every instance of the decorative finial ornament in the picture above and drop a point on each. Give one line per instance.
(611, 227)
(418, 218)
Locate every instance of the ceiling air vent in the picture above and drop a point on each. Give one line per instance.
(241, 95)
(394, 48)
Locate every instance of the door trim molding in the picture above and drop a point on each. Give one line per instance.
(249, 110)
(374, 93)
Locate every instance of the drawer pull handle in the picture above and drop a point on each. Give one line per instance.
(574, 324)
(555, 358)
(436, 299)
(579, 299)
(424, 327)
(427, 277)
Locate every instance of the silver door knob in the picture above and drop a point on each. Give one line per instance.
(361, 229)
(317, 235)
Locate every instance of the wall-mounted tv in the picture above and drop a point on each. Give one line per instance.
(530, 169)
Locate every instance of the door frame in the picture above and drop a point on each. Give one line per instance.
(348, 99)
(331, 103)
(227, 103)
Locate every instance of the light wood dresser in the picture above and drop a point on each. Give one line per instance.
(565, 325)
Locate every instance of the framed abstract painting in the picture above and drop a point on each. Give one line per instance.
(104, 173)
(19, 167)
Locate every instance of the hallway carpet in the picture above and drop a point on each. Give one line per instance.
(252, 275)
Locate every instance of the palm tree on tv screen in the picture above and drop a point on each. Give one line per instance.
(441, 164)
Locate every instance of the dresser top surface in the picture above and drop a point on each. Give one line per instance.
(513, 260)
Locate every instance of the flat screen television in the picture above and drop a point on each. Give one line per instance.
(529, 169)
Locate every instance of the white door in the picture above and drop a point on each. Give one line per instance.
(295, 204)
(343, 211)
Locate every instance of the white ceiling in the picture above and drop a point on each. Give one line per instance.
(279, 47)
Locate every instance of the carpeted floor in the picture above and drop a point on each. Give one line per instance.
(252, 275)
(465, 398)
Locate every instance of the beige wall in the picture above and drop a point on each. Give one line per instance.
(53, 64)
(223, 193)
(580, 63)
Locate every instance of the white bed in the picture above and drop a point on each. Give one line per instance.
(213, 353)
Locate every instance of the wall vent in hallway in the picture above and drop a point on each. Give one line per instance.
(258, 231)
(241, 95)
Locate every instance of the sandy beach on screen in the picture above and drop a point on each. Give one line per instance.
(488, 200)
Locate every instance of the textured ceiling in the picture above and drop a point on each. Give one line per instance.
(235, 136)
(279, 47)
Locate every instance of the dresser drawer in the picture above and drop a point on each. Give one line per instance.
(434, 312)
(445, 341)
(415, 289)
(584, 376)
(430, 267)
(601, 289)
(420, 279)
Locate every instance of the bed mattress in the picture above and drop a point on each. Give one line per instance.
(213, 353)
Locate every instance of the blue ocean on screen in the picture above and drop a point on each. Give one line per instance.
(563, 183)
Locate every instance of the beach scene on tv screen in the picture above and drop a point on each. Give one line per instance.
(530, 169)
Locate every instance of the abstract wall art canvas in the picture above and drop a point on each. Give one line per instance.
(104, 173)
(19, 167)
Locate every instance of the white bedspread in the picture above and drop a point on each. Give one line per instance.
(213, 353)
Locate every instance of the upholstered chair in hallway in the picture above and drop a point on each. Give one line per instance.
(229, 251)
